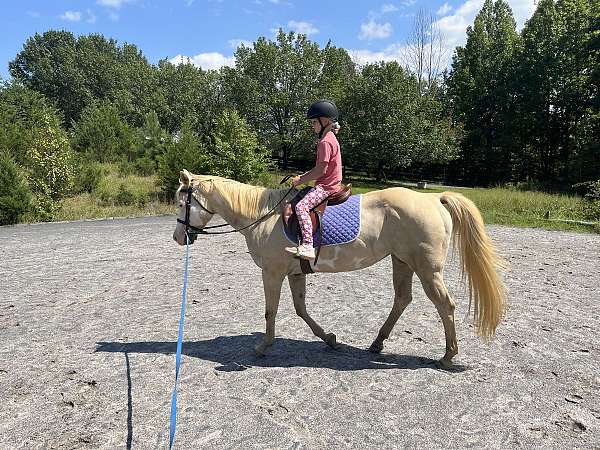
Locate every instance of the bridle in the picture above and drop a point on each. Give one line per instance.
(192, 232)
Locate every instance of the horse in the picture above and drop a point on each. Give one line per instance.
(415, 229)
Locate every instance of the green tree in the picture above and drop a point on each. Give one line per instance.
(236, 152)
(390, 126)
(74, 72)
(103, 135)
(190, 95)
(31, 132)
(478, 87)
(273, 83)
(555, 89)
(184, 151)
(153, 144)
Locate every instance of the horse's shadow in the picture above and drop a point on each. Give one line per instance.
(235, 353)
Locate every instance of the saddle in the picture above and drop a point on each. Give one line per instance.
(290, 219)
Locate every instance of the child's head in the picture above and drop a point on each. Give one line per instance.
(323, 115)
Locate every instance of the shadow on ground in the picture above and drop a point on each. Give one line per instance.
(234, 353)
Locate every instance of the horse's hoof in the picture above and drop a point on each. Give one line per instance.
(445, 363)
(331, 340)
(376, 347)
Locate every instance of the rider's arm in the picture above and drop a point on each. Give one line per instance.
(314, 174)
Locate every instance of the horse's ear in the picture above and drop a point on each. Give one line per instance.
(185, 177)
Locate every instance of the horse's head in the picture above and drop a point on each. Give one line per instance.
(193, 207)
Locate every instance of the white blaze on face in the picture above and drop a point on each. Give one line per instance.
(198, 216)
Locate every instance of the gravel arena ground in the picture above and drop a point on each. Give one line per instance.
(88, 330)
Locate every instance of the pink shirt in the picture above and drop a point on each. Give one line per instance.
(328, 150)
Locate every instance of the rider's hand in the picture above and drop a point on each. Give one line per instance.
(296, 181)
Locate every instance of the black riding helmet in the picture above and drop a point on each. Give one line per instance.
(322, 108)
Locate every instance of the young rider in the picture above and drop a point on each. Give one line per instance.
(327, 172)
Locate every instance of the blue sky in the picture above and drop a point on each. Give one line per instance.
(207, 31)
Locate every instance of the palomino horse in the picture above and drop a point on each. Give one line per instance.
(414, 228)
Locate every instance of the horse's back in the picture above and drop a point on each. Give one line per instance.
(416, 223)
(410, 205)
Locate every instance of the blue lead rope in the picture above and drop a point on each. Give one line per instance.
(179, 345)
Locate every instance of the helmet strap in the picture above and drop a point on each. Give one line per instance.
(322, 128)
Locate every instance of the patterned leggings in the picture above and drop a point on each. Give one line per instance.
(315, 196)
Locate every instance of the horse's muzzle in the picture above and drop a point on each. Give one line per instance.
(191, 239)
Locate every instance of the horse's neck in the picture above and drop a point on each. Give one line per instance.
(232, 204)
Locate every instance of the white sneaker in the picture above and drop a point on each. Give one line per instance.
(302, 251)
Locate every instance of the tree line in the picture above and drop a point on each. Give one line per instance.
(529, 102)
(514, 107)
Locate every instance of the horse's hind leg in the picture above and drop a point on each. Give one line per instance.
(298, 288)
(272, 285)
(434, 287)
(403, 296)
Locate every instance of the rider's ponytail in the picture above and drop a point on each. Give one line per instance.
(335, 127)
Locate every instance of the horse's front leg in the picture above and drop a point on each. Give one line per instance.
(298, 288)
(272, 282)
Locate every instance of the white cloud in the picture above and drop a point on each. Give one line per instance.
(522, 10)
(444, 9)
(408, 2)
(113, 3)
(113, 16)
(71, 16)
(91, 17)
(454, 26)
(298, 27)
(207, 61)
(374, 30)
(235, 43)
(388, 8)
(302, 27)
(392, 52)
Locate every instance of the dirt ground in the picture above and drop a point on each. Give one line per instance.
(88, 329)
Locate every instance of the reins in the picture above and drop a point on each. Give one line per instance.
(194, 231)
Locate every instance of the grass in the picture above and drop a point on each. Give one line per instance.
(117, 196)
(498, 205)
(504, 206)
(86, 206)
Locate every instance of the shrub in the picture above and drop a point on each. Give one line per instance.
(145, 166)
(15, 196)
(88, 175)
(125, 167)
(131, 190)
(31, 130)
(184, 152)
(591, 207)
(51, 167)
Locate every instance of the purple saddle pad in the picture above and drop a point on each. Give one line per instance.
(341, 223)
